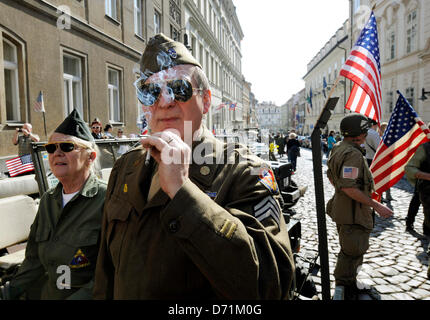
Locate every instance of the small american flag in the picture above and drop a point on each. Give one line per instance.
(364, 69)
(39, 105)
(233, 106)
(19, 165)
(144, 126)
(404, 133)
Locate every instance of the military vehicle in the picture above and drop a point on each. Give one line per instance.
(19, 199)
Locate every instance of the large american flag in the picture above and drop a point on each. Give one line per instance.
(404, 133)
(39, 106)
(364, 69)
(19, 165)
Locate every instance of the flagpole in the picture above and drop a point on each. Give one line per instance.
(44, 121)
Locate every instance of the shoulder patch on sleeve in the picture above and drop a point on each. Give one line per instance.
(350, 172)
(268, 207)
(267, 178)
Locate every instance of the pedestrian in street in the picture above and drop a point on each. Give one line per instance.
(66, 229)
(372, 142)
(281, 145)
(331, 141)
(413, 208)
(176, 229)
(351, 206)
(293, 150)
(418, 173)
(23, 137)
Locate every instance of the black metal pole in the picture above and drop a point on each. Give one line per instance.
(320, 206)
(319, 192)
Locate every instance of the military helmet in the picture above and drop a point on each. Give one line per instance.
(354, 124)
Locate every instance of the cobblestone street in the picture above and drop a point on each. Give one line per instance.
(395, 266)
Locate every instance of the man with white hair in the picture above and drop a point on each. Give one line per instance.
(208, 228)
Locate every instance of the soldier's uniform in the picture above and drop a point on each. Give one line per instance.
(347, 168)
(63, 237)
(421, 162)
(222, 235)
(62, 247)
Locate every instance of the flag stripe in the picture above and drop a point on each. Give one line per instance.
(404, 134)
(360, 54)
(386, 154)
(19, 165)
(363, 68)
(359, 101)
(368, 87)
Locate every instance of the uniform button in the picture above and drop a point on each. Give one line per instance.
(174, 226)
(56, 239)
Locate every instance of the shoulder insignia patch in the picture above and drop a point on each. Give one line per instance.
(350, 173)
(79, 260)
(267, 178)
(268, 207)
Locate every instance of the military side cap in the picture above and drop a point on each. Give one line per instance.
(73, 125)
(162, 53)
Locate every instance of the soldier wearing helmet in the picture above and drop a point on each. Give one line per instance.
(352, 207)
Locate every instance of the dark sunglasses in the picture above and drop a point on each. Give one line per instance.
(182, 90)
(95, 127)
(65, 146)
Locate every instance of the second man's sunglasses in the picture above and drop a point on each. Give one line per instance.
(181, 90)
(65, 146)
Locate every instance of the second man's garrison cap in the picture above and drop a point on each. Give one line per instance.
(75, 126)
(162, 53)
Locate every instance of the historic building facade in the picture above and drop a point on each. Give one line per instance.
(269, 116)
(404, 43)
(80, 54)
(322, 72)
(214, 34)
(404, 35)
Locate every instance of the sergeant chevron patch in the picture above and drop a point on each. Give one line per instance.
(268, 207)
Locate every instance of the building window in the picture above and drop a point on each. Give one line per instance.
(356, 5)
(411, 31)
(175, 11)
(72, 77)
(138, 18)
(390, 101)
(157, 22)
(193, 46)
(201, 55)
(391, 46)
(114, 95)
(410, 95)
(111, 9)
(174, 33)
(10, 56)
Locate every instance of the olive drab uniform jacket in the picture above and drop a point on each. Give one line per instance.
(347, 168)
(222, 235)
(62, 238)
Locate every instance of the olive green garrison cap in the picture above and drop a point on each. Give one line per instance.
(75, 126)
(162, 53)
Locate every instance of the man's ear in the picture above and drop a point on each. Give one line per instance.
(207, 99)
(93, 156)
